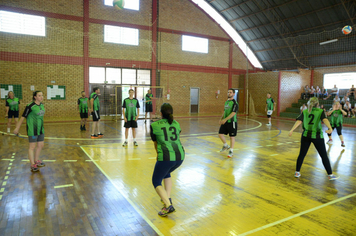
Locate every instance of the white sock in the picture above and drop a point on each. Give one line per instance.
(231, 150)
(126, 140)
(134, 140)
(225, 144)
(8, 130)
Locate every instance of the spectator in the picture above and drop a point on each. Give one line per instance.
(324, 92)
(336, 99)
(303, 107)
(344, 100)
(347, 108)
(334, 92)
(352, 91)
(305, 95)
(312, 92)
(318, 92)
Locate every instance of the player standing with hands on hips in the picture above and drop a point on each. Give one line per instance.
(228, 122)
(313, 133)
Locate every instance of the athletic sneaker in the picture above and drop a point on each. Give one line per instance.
(34, 168)
(164, 205)
(342, 144)
(230, 154)
(81, 127)
(100, 135)
(268, 124)
(224, 148)
(124, 144)
(40, 163)
(165, 211)
(297, 174)
(135, 143)
(332, 177)
(94, 136)
(330, 141)
(84, 128)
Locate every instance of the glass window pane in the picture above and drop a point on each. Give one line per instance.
(195, 44)
(22, 23)
(143, 77)
(96, 75)
(342, 80)
(113, 75)
(128, 76)
(129, 4)
(121, 35)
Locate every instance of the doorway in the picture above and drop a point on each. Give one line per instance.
(194, 100)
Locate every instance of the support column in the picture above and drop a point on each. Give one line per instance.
(86, 46)
(154, 50)
(231, 43)
(279, 93)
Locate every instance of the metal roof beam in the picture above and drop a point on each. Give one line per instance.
(234, 6)
(348, 10)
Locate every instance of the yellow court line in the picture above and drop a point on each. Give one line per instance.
(70, 160)
(14, 153)
(0, 197)
(6, 177)
(124, 195)
(7, 172)
(63, 186)
(4, 183)
(9, 168)
(2, 190)
(49, 160)
(297, 215)
(7, 159)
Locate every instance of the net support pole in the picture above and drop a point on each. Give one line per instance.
(279, 92)
(246, 80)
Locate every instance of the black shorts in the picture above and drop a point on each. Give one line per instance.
(36, 138)
(149, 107)
(130, 124)
(84, 115)
(14, 114)
(96, 115)
(229, 128)
(338, 130)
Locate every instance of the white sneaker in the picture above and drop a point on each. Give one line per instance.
(268, 124)
(224, 148)
(332, 177)
(230, 154)
(297, 174)
(124, 144)
(330, 141)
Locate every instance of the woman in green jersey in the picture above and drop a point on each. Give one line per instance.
(34, 113)
(170, 155)
(12, 105)
(336, 119)
(312, 133)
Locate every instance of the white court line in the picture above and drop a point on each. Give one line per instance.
(297, 215)
(70, 160)
(91, 160)
(49, 160)
(280, 143)
(63, 186)
(152, 158)
(124, 195)
(274, 154)
(26, 160)
(7, 159)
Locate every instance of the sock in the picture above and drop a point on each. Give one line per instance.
(8, 130)
(92, 134)
(134, 140)
(126, 140)
(231, 150)
(225, 144)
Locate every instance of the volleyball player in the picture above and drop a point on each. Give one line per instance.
(228, 122)
(170, 155)
(34, 113)
(270, 108)
(129, 107)
(12, 105)
(313, 133)
(95, 111)
(336, 113)
(148, 102)
(83, 110)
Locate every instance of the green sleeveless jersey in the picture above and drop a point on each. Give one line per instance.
(130, 106)
(83, 105)
(149, 98)
(13, 104)
(229, 107)
(169, 147)
(270, 103)
(336, 118)
(96, 105)
(312, 123)
(34, 118)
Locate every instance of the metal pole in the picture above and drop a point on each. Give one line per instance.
(247, 112)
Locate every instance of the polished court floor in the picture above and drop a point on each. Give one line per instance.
(97, 187)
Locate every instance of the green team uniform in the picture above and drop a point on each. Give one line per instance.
(149, 98)
(169, 147)
(336, 119)
(229, 107)
(96, 104)
(83, 105)
(34, 118)
(13, 104)
(130, 106)
(270, 103)
(312, 123)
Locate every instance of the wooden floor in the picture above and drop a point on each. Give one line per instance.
(97, 187)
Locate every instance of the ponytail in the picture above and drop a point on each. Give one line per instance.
(313, 102)
(167, 112)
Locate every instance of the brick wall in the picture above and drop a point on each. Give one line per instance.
(239, 60)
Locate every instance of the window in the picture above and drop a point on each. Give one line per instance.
(143, 77)
(342, 80)
(96, 75)
(128, 76)
(129, 4)
(18, 23)
(195, 44)
(120, 35)
(113, 75)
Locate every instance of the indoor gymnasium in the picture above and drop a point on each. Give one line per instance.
(177, 117)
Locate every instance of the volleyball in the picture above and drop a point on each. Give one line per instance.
(347, 29)
(118, 4)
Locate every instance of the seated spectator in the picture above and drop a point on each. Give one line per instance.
(303, 107)
(336, 99)
(344, 100)
(305, 95)
(334, 92)
(318, 92)
(324, 92)
(352, 91)
(312, 92)
(347, 108)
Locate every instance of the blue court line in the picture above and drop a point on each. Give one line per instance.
(119, 131)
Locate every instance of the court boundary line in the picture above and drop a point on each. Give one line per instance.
(297, 215)
(148, 221)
